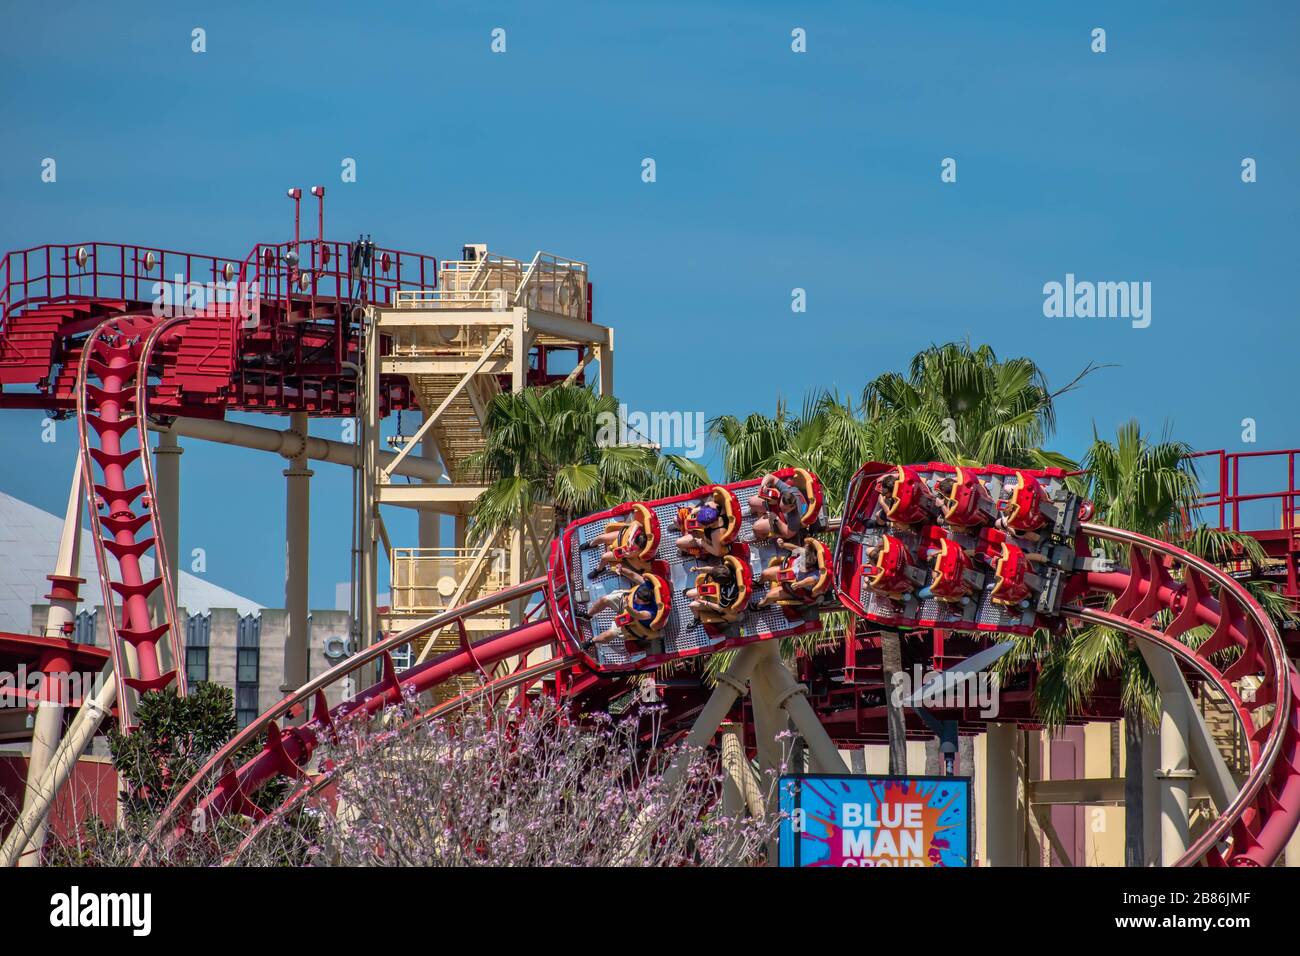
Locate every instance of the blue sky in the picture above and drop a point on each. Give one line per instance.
(775, 170)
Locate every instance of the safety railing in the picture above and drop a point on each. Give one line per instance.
(425, 580)
(173, 280)
(1222, 507)
(110, 270)
(547, 283)
(556, 285)
(311, 269)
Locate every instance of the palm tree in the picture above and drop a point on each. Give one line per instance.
(966, 406)
(543, 448)
(828, 437)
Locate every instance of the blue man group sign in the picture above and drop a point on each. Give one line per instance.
(840, 820)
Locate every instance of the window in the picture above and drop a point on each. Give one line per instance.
(247, 669)
(246, 705)
(247, 666)
(198, 631)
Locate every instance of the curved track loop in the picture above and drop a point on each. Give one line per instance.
(1243, 645)
(285, 753)
(118, 353)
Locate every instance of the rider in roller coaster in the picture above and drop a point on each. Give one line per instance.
(717, 595)
(639, 611)
(799, 578)
(904, 499)
(709, 526)
(780, 507)
(630, 541)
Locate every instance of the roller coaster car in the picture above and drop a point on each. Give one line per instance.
(970, 582)
(905, 498)
(581, 579)
(964, 500)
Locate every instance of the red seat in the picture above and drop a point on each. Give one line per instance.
(1011, 576)
(1022, 508)
(950, 566)
(889, 574)
(969, 505)
(911, 502)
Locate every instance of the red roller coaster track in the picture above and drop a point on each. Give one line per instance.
(1161, 598)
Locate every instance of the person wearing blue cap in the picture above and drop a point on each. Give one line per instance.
(706, 526)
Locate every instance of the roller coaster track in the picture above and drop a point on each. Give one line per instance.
(1160, 598)
(1242, 646)
(118, 353)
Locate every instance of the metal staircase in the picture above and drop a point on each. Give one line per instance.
(487, 328)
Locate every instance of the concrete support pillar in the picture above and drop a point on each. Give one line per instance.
(46, 732)
(297, 541)
(792, 697)
(1205, 756)
(740, 788)
(605, 355)
(47, 729)
(1175, 776)
(1004, 802)
(167, 509)
(768, 723)
(1150, 796)
(167, 480)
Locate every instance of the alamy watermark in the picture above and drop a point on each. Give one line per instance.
(661, 429)
(19, 688)
(1084, 299)
(181, 299)
(977, 689)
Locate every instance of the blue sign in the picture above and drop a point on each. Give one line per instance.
(843, 820)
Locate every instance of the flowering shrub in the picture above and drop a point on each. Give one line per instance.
(529, 787)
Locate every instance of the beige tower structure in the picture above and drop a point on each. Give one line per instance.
(489, 327)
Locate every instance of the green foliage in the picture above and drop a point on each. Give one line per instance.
(828, 437)
(542, 448)
(174, 738)
(966, 406)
